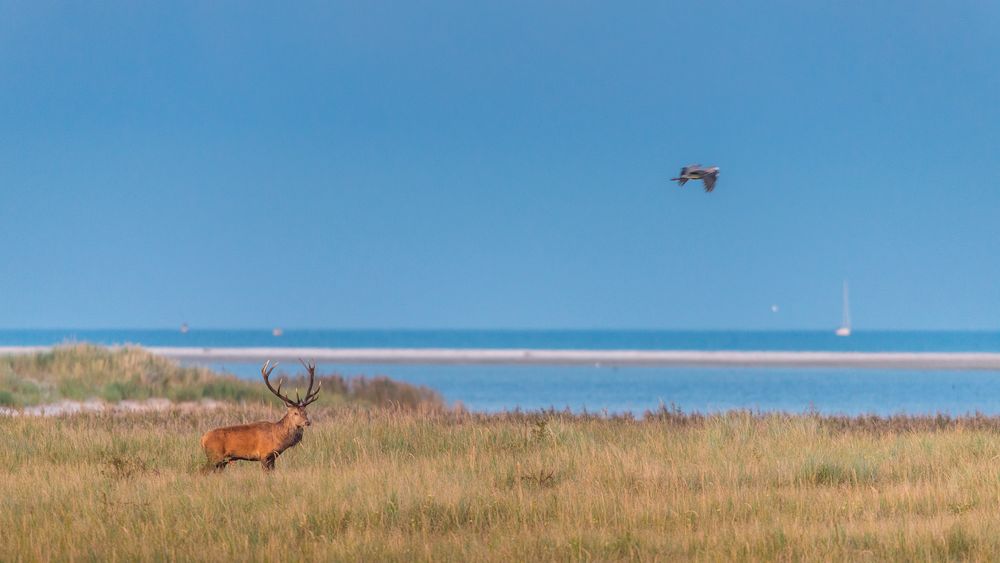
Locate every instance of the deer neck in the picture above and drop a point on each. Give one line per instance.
(289, 433)
(285, 424)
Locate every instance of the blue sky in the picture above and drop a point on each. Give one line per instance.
(463, 164)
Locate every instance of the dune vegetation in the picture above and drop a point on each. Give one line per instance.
(85, 372)
(388, 484)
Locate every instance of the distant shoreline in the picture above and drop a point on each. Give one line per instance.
(598, 358)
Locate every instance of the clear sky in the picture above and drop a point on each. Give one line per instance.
(499, 165)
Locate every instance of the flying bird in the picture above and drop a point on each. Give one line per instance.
(698, 172)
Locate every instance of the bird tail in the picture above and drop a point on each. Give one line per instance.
(680, 181)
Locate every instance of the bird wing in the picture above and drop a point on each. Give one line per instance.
(682, 180)
(709, 180)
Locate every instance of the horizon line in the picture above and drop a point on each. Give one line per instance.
(190, 328)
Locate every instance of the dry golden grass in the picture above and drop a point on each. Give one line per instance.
(380, 485)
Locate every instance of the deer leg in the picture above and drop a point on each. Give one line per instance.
(268, 462)
(214, 466)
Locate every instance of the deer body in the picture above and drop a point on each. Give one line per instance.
(261, 441)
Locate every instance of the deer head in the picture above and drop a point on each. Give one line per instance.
(296, 409)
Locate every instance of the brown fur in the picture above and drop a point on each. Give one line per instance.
(258, 441)
(261, 441)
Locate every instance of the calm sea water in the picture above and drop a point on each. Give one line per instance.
(862, 341)
(498, 388)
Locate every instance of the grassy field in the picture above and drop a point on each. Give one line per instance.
(386, 472)
(392, 485)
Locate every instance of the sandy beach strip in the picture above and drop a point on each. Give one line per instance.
(610, 358)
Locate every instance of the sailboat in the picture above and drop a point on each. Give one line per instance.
(845, 325)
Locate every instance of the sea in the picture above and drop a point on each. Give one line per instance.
(617, 390)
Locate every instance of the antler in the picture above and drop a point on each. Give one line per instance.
(266, 370)
(311, 395)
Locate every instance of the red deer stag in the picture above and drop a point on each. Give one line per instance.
(262, 441)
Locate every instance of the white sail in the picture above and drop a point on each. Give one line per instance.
(845, 324)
